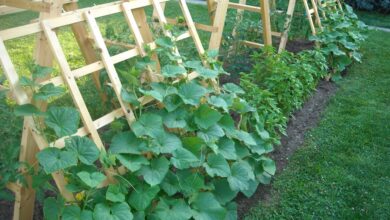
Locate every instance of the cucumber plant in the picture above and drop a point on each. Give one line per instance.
(186, 156)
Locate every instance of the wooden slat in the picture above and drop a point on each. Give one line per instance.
(266, 20)
(198, 26)
(245, 7)
(218, 20)
(252, 44)
(5, 10)
(13, 78)
(309, 17)
(108, 64)
(71, 83)
(27, 4)
(287, 25)
(69, 18)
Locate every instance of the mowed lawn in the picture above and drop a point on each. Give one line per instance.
(343, 170)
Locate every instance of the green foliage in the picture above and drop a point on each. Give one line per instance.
(280, 82)
(176, 153)
(341, 38)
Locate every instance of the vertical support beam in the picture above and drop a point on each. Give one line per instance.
(287, 25)
(265, 16)
(316, 15)
(309, 17)
(25, 197)
(212, 7)
(140, 17)
(218, 21)
(81, 34)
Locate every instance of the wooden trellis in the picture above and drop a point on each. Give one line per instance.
(135, 17)
(218, 12)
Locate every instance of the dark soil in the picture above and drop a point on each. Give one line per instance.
(298, 45)
(302, 121)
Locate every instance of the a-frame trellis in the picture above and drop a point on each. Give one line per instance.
(134, 14)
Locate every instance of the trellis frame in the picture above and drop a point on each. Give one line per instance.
(218, 12)
(32, 140)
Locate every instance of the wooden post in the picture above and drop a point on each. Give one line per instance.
(218, 21)
(86, 47)
(309, 17)
(265, 15)
(287, 25)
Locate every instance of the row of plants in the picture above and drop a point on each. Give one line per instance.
(191, 152)
(279, 83)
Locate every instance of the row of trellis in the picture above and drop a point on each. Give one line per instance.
(60, 13)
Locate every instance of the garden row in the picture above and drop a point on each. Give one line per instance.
(189, 153)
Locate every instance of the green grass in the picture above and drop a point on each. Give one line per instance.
(374, 19)
(343, 170)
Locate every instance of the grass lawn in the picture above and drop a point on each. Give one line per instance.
(374, 19)
(343, 170)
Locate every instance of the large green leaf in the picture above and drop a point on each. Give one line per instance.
(129, 97)
(156, 171)
(148, 124)
(48, 91)
(217, 165)
(190, 182)
(191, 93)
(52, 208)
(64, 121)
(233, 88)
(232, 211)
(118, 211)
(173, 71)
(73, 212)
(205, 116)
(127, 143)
(53, 159)
(84, 148)
(245, 137)
(27, 110)
(241, 174)
(268, 165)
(227, 149)
(252, 187)
(114, 193)
(142, 196)
(170, 184)
(92, 179)
(193, 64)
(207, 73)
(175, 209)
(176, 119)
(132, 162)
(218, 102)
(211, 134)
(166, 143)
(206, 207)
(223, 192)
(183, 159)
(159, 91)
